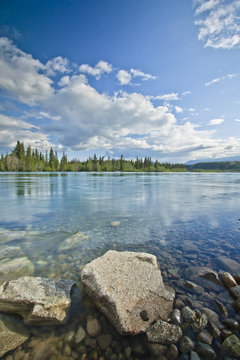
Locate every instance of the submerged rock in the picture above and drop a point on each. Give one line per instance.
(228, 280)
(164, 333)
(73, 241)
(123, 285)
(13, 269)
(9, 252)
(38, 300)
(228, 264)
(232, 345)
(12, 333)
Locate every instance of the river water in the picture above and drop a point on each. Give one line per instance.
(185, 219)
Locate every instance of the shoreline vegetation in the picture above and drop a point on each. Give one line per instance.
(23, 159)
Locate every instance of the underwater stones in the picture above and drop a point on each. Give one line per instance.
(228, 280)
(232, 345)
(38, 300)
(123, 284)
(164, 333)
(12, 333)
(72, 242)
(228, 264)
(205, 351)
(93, 327)
(13, 269)
(195, 319)
(9, 252)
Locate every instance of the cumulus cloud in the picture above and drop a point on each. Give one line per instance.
(13, 129)
(125, 77)
(216, 121)
(178, 109)
(57, 64)
(100, 68)
(81, 118)
(186, 93)
(21, 76)
(219, 23)
(166, 97)
(216, 80)
(141, 74)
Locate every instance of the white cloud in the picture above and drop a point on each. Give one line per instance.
(124, 77)
(237, 120)
(216, 121)
(82, 118)
(57, 64)
(13, 129)
(206, 5)
(186, 93)
(178, 109)
(20, 75)
(216, 80)
(219, 23)
(167, 97)
(100, 68)
(141, 74)
(191, 110)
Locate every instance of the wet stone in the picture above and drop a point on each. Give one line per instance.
(188, 314)
(228, 264)
(172, 352)
(164, 333)
(236, 305)
(93, 327)
(194, 287)
(232, 345)
(104, 341)
(235, 291)
(186, 345)
(215, 331)
(205, 337)
(225, 333)
(228, 280)
(222, 309)
(231, 323)
(80, 335)
(194, 356)
(157, 349)
(12, 333)
(212, 315)
(205, 351)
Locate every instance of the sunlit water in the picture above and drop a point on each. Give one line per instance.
(167, 214)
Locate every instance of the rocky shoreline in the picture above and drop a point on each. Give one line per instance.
(199, 321)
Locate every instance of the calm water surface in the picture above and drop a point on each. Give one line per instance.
(154, 210)
(185, 219)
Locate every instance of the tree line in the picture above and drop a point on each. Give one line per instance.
(24, 158)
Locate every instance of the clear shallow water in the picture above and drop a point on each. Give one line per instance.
(153, 209)
(186, 219)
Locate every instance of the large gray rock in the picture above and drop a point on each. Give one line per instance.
(38, 300)
(12, 333)
(72, 242)
(128, 288)
(13, 269)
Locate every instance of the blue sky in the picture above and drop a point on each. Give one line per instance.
(134, 77)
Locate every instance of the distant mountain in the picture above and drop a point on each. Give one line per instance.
(192, 162)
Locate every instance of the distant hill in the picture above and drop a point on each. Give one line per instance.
(233, 158)
(215, 166)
